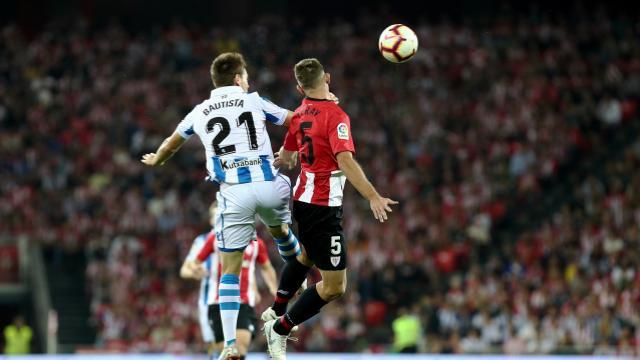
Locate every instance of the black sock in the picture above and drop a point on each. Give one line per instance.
(242, 357)
(308, 304)
(293, 274)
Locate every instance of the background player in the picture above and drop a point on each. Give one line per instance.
(231, 126)
(254, 253)
(321, 132)
(190, 270)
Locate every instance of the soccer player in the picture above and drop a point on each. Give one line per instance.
(321, 132)
(254, 253)
(232, 127)
(190, 270)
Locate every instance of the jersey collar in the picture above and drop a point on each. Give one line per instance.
(314, 99)
(224, 90)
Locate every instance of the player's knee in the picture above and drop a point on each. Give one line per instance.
(334, 291)
(280, 231)
(304, 259)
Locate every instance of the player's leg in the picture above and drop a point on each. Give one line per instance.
(229, 293)
(332, 286)
(292, 278)
(322, 236)
(216, 326)
(316, 296)
(234, 229)
(205, 327)
(243, 342)
(247, 322)
(286, 241)
(274, 212)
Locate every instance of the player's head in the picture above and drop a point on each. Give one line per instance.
(212, 213)
(230, 69)
(310, 76)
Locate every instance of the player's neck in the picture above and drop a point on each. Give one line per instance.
(319, 94)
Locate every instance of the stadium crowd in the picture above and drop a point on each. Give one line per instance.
(478, 120)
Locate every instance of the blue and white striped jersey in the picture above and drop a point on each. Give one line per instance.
(232, 127)
(208, 281)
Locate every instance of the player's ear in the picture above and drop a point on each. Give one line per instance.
(300, 90)
(237, 80)
(327, 78)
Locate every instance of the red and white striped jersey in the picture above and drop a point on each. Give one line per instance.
(255, 252)
(319, 130)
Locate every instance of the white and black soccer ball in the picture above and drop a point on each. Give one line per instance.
(398, 43)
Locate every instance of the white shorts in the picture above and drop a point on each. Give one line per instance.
(239, 204)
(203, 319)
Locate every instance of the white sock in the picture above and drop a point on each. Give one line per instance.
(288, 247)
(229, 298)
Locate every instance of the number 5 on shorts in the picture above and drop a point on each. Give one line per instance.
(336, 247)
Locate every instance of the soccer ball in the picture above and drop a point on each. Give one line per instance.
(398, 43)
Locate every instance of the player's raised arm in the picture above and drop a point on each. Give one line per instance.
(172, 144)
(168, 147)
(355, 175)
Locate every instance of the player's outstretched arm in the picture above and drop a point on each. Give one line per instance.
(355, 175)
(168, 147)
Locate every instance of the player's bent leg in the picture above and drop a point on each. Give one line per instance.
(333, 284)
(231, 261)
(293, 275)
(287, 243)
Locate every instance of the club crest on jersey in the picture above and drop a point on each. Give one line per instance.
(343, 131)
(335, 260)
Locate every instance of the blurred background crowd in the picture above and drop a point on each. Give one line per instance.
(510, 145)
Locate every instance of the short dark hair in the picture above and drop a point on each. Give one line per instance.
(309, 73)
(225, 67)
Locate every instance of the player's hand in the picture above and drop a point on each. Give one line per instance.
(149, 159)
(286, 161)
(333, 98)
(199, 272)
(380, 207)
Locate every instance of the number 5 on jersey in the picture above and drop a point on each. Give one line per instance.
(306, 139)
(336, 246)
(336, 250)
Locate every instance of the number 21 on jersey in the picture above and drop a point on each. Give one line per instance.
(225, 129)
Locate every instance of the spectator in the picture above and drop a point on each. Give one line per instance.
(17, 337)
(407, 332)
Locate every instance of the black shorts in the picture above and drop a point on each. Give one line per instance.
(320, 232)
(246, 320)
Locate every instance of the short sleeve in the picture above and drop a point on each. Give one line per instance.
(207, 248)
(290, 141)
(340, 134)
(272, 112)
(263, 254)
(196, 246)
(185, 127)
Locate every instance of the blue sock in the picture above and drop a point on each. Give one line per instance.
(288, 247)
(229, 296)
